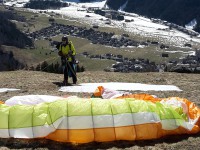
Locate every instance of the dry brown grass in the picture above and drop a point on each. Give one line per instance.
(32, 82)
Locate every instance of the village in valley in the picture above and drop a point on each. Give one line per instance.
(164, 37)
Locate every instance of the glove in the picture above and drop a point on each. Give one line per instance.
(62, 55)
(76, 62)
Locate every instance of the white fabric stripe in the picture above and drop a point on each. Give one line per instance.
(61, 123)
(41, 131)
(189, 125)
(145, 117)
(123, 120)
(100, 121)
(21, 133)
(80, 122)
(103, 121)
(4, 133)
(169, 124)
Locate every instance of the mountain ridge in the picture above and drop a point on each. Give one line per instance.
(180, 12)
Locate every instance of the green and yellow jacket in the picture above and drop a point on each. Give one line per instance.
(67, 51)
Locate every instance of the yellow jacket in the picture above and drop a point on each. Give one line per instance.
(67, 51)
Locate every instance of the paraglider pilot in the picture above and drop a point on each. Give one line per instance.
(67, 53)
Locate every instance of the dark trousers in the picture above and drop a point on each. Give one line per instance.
(69, 66)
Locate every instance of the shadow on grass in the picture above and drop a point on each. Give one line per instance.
(59, 84)
(49, 144)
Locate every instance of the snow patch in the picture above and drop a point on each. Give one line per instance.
(192, 24)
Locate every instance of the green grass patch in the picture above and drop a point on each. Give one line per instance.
(94, 64)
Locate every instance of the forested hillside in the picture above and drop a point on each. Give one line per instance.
(45, 4)
(180, 12)
(8, 62)
(9, 34)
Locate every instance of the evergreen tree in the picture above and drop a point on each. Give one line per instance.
(44, 66)
(82, 69)
(38, 67)
(11, 55)
(32, 68)
(56, 67)
(51, 68)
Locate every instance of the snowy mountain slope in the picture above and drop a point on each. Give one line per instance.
(139, 25)
(79, 1)
(180, 12)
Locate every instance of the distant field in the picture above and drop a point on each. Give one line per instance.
(43, 51)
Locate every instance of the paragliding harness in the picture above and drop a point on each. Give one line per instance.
(65, 62)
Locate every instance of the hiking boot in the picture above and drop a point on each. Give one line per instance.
(65, 83)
